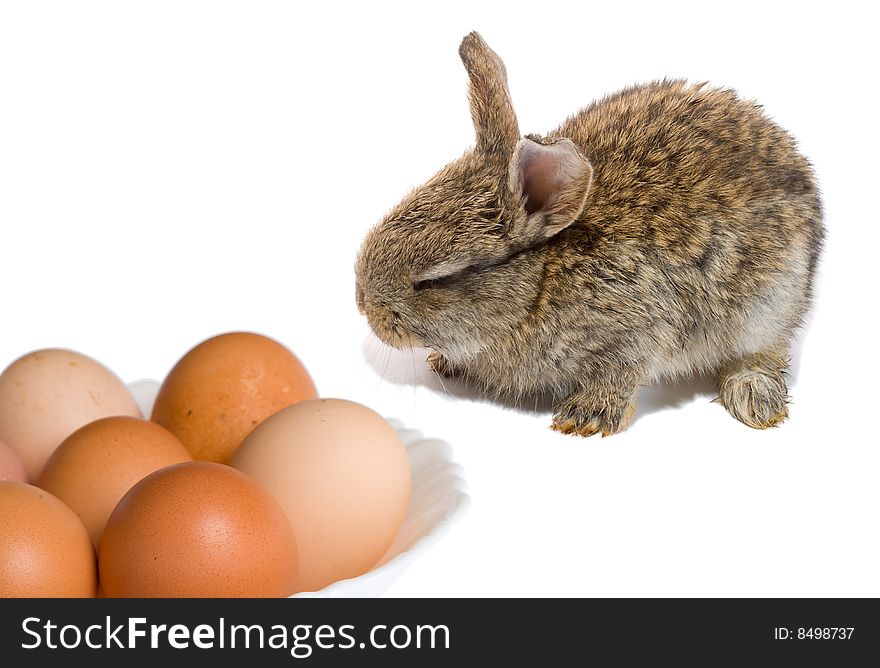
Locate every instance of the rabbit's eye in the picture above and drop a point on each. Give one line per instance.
(441, 275)
(439, 282)
(418, 286)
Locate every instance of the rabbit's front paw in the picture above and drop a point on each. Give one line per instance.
(583, 415)
(440, 365)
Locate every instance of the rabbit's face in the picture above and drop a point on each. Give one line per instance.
(458, 261)
(423, 271)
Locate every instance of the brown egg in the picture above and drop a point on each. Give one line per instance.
(342, 476)
(47, 395)
(11, 466)
(224, 387)
(45, 550)
(197, 530)
(96, 465)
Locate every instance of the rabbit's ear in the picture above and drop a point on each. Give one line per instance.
(491, 109)
(552, 180)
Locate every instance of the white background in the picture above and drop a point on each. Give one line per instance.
(173, 170)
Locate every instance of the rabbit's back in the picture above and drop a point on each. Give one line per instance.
(668, 156)
(704, 205)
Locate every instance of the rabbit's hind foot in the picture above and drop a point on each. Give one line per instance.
(753, 390)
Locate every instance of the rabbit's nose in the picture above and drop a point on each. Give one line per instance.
(359, 298)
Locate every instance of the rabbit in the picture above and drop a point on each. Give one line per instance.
(666, 230)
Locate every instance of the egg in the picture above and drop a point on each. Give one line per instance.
(96, 465)
(197, 529)
(224, 387)
(341, 474)
(45, 551)
(11, 466)
(47, 395)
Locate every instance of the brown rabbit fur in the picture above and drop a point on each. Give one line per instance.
(665, 230)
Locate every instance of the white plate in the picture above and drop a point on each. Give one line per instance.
(438, 500)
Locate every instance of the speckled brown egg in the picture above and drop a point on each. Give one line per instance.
(198, 529)
(96, 465)
(47, 395)
(11, 466)
(224, 387)
(45, 551)
(341, 474)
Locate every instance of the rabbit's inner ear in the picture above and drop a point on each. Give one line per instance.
(540, 180)
(554, 180)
